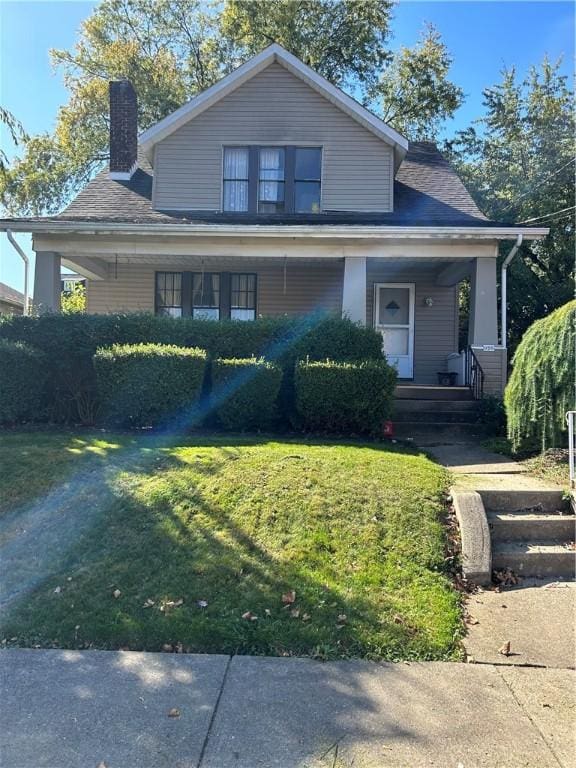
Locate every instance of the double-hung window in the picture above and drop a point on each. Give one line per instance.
(169, 293)
(206, 295)
(272, 179)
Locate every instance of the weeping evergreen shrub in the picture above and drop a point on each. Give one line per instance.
(541, 387)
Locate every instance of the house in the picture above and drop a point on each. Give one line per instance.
(11, 300)
(274, 193)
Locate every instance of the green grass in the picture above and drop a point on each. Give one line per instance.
(354, 529)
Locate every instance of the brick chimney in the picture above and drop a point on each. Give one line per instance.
(123, 129)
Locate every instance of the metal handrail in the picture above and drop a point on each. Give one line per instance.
(571, 419)
(474, 375)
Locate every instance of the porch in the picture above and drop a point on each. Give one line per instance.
(407, 291)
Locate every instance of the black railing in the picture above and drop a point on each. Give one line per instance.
(474, 375)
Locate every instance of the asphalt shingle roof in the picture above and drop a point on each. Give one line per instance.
(427, 192)
(10, 295)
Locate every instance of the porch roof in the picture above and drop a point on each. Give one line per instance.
(428, 194)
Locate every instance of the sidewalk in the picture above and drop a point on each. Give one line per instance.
(71, 709)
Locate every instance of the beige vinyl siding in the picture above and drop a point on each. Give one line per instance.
(274, 107)
(309, 286)
(494, 364)
(435, 327)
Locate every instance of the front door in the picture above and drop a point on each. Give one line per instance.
(394, 318)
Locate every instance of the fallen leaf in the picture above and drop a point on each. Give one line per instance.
(295, 613)
(268, 612)
(342, 618)
(116, 593)
(249, 616)
(306, 617)
(148, 603)
(202, 604)
(174, 712)
(179, 602)
(167, 648)
(472, 620)
(179, 648)
(289, 597)
(505, 650)
(57, 590)
(102, 765)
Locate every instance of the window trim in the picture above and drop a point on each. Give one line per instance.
(289, 171)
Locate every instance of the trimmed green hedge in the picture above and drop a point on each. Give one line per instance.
(345, 397)
(245, 393)
(147, 384)
(70, 343)
(22, 382)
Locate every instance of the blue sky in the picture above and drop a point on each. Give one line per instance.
(482, 36)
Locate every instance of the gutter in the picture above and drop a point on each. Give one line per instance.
(26, 261)
(318, 231)
(503, 288)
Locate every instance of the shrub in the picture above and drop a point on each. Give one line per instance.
(22, 382)
(147, 384)
(345, 397)
(492, 416)
(245, 392)
(541, 387)
(70, 343)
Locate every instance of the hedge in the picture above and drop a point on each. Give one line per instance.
(344, 397)
(245, 393)
(70, 343)
(22, 382)
(148, 384)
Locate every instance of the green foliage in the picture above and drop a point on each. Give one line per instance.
(518, 161)
(73, 301)
(173, 50)
(22, 381)
(491, 414)
(541, 387)
(245, 392)
(345, 397)
(143, 385)
(416, 94)
(15, 130)
(70, 342)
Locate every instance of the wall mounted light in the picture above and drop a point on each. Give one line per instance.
(429, 301)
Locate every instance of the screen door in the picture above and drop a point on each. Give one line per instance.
(394, 318)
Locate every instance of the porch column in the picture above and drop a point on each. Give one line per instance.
(47, 282)
(483, 321)
(354, 289)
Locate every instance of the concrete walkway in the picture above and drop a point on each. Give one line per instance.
(89, 709)
(538, 618)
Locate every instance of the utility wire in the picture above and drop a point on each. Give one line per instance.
(533, 189)
(548, 215)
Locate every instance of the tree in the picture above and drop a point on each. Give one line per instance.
(74, 301)
(415, 91)
(541, 387)
(518, 161)
(172, 49)
(15, 130)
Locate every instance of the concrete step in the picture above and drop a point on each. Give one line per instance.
(541, 558)
(434, 417)
(525, 501)
(417, 392)
(440, 431)
(531, 527)
(404, 405)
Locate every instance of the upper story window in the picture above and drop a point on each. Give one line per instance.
(272, 179)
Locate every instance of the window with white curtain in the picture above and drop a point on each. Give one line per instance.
(236, 163)
(169, 293)
(271, 179)
(206, 295)
(242, 296)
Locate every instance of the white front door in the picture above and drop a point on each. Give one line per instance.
(394, 318)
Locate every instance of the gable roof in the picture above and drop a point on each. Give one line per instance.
(427, 194)
(228, 84)
(10, 295)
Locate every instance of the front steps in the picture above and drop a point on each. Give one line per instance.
(531, 536)
(444, 411)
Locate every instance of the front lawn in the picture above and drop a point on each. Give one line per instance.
(223, 544)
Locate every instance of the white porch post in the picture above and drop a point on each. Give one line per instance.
(47, 282)
(483, 320)
(354, 289)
